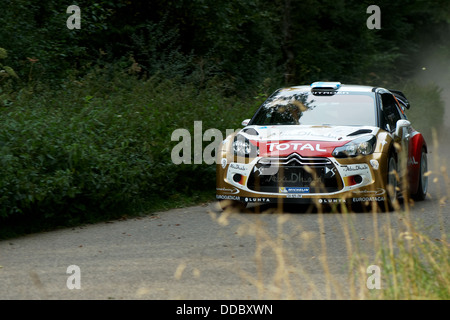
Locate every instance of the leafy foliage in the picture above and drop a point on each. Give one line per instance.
(94, 148)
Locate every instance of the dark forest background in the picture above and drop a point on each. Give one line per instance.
(240, 42)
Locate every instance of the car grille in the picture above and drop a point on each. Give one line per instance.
(294, 171)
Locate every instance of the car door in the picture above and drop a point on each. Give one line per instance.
(391, 114)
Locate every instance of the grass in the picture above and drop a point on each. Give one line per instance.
(418, 266)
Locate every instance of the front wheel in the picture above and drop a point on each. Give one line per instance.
(392, 182)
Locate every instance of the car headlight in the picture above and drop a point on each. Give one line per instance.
(242, 147)
(361, 146)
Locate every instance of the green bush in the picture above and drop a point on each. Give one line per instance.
(102, 145)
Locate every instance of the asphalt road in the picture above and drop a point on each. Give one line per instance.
(200, 253)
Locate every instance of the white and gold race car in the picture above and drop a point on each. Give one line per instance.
(324, 143)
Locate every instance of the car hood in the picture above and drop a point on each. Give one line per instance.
(309, 133)
(305, 140)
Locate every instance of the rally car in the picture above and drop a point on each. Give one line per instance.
(324, 143)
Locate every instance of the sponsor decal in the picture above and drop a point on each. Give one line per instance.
(293, 189)
(229, 191)
(294, 177)
(332, 200)
(328, 93)
(294, 195)
(323, 134)
(370, 199)
(238, 167)
(227, 197)
(256, 199)
(296, 146)
(378, 192)
(355, 167)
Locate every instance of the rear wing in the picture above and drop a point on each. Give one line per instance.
(401, 98)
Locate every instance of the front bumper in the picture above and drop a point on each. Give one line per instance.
(303, 179)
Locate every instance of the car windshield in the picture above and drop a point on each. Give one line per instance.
(305, 108)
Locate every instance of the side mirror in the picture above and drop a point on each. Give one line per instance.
(401, 124)
(245, 122)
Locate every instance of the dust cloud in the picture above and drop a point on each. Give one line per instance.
(434, 68)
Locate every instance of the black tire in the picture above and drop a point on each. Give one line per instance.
(392, 182)
(423, 179)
